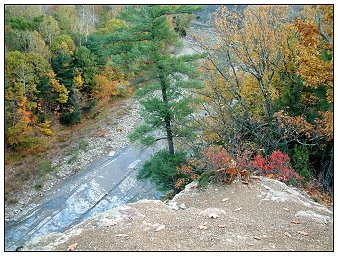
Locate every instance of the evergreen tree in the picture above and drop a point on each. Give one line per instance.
(63, 66)
(85, 62)
(145, 50)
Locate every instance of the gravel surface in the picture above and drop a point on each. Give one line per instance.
(265, 215)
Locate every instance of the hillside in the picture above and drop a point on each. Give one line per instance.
(102, 99)
(265, 215)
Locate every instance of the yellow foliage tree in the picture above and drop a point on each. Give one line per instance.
(58, 88)
(315, 56)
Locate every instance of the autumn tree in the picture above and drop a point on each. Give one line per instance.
(37, 45)
(23, 72)
(244, 56)
(68, 20)
(252, 41)
(315, 67)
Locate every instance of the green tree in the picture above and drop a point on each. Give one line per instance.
(68, 19)
(63, 66)
(17, 40)
(86, 63)
(98, 44)
(49, 29)
(63, 42)
(37, 45)
(145, 51)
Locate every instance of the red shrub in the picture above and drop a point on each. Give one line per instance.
(278, 166)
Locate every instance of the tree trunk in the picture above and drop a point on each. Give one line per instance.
(169, 136)
(267, 100)
(167, 118)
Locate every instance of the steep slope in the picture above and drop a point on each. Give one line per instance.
(264, 215)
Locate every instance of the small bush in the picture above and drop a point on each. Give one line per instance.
(89, 107)
(74, 155)
(161, 169)
(19, 134)
(168, 196)
(278, 166)
(204, 179)
(46, 167)
(45, 128)
(83, 144)
(122, 90)
(32, 145)
(70, 118)
(38, 186)
(300, 161)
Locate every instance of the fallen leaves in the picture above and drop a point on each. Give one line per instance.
(270, 176)
(303, 233)
(72, 247)
(314, 191)
(295, 222)
(109, 223)
(122, 235)
(288, 234)
(266, 187)
(213, 216)
(202, 227)
(256, 178)
(160, 228)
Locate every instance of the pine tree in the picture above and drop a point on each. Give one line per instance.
(144, 49)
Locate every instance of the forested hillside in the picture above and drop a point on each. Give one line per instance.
(56, 69)
(257, 97)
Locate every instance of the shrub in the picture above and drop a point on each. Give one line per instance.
(161, 169)
(122, 90)
(83, 144)
(204, 179)
(300, 161)
(46, 166)
(32, 145)
(74, 155)
(278, 166)
(217, 158)
(45, 128)
(18, 134)
(89, 107)
(70, 118)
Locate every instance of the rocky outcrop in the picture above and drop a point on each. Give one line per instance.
(264, 215)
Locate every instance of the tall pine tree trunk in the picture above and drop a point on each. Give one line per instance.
(167, 118)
